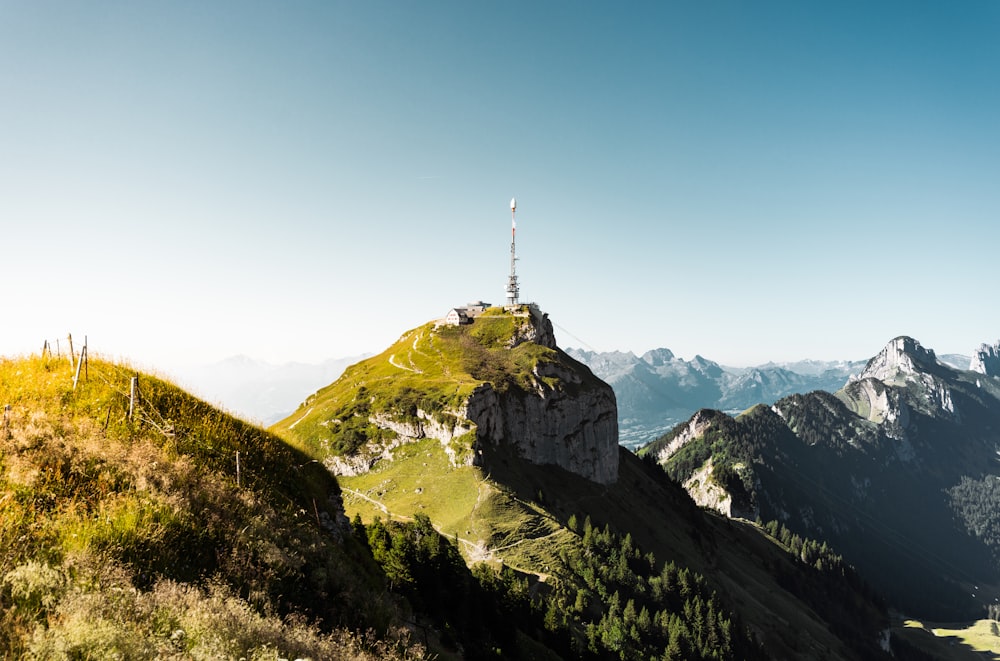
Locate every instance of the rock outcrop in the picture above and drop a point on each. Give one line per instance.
(902, 357)
(575, 427)
(903, 362)
(986, 360)
(696, 427)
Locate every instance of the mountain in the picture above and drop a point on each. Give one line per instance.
(257, 390)
(508, 447)
(897, 470)
(657, 390)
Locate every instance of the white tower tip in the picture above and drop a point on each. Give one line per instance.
(513, 204)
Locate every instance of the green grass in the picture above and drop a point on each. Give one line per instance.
(955, 641)
(487, 521)
(116, 533)
(429, 373)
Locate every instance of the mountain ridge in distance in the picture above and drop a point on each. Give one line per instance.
(658, 390)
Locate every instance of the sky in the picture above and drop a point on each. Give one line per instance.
(181, 182)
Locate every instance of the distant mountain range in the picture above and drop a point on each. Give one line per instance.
(260, 391)
(658, 390)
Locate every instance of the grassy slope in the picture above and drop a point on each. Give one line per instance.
(952, 642)
(132, 537)
(517, 513)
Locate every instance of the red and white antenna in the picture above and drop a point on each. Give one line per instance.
(512, 288)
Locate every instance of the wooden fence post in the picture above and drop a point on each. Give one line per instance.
(79, 365)
(72, 358)
(133, 387)
(6, 420)
(237, 469)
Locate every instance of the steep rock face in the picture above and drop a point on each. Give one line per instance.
(902, 357)
(986, 360)
(695, 428)
(903, 362)
(706, 493)
(538, 331)
(575, 428)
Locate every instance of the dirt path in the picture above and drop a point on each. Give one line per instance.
(477, 551)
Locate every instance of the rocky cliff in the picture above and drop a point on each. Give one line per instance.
(574, 427)
(986, 360)
(903, 363)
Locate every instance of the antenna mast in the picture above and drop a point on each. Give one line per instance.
(512, 290)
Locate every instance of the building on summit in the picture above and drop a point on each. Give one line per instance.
(466, 315)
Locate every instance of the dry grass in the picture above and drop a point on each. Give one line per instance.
(132, 538)
(92, 610)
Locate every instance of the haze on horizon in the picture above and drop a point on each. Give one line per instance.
(758, 182)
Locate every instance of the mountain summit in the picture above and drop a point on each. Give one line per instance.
(986, 360)
(901, 359)
(483, 381)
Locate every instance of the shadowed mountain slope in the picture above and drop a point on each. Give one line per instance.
(896, 470)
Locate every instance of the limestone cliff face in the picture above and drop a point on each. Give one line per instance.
(903, 362)
(901, 358)
(706, 493)
(575, 427)
(986, 360)
(538, 331)
(695, 428)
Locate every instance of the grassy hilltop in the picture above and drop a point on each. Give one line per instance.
(429, 372)
(137, 538)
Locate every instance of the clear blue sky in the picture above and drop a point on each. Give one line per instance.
(748, 181)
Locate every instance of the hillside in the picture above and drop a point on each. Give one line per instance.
(601, 539)
(145, 537)
(897, 470)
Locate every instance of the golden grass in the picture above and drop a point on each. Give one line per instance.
(132, 538)
(958, 641)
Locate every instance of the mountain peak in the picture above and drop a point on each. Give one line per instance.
(902, 357)
(986, 360)
(657, 357)
(497, 380)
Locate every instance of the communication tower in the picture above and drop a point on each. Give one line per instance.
(512, 290)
